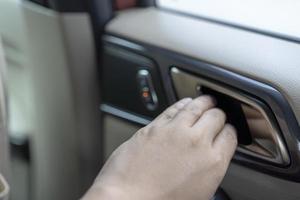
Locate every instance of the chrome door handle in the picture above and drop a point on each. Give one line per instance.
(267, 143)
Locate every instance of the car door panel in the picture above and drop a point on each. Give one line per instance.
(260, 57)
(260, 65)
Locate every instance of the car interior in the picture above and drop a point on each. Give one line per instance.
(80, 77)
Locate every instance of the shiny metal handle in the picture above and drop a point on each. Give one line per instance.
(267, 143)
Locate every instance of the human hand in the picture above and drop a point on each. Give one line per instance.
(183, 154)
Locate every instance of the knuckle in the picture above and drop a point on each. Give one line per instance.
(205, 99)
(142, 132)
(178, 105)
(153, 129)
(192, 110)
(198, 105)
(172, 111)
(194, 141)
(168, 115)
(149, 132)
(217, 113)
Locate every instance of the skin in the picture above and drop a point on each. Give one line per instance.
(183, 154)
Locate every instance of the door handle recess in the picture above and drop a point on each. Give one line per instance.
(258, 133)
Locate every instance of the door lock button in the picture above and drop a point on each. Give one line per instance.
(147, 91)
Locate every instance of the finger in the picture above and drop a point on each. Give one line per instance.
(226, 142)
(170, 112)
(210, 123)
(191, 112)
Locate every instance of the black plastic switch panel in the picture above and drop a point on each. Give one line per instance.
(131, 82)
(147, 91)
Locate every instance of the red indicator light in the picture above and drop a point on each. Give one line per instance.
(145, 94)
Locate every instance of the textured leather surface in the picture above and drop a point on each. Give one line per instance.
(264, 58)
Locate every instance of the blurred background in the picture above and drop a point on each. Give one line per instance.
(53, 95)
